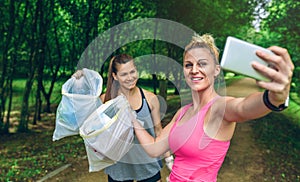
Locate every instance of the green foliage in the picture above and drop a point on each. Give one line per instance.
(282, 27)
(50, 37)
(18, 88)
(45, 39)
(221, 18)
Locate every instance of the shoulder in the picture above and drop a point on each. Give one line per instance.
(151, 98)
(223, 107)
(149, 94)
(222, 101)
(178, 113)
(220, 104)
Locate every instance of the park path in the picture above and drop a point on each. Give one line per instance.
(243, 162)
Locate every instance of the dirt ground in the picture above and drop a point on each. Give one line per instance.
(243, 162)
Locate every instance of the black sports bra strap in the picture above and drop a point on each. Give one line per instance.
(143, 98)
(142, 93)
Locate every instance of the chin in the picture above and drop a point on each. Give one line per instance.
(130, 87)
(198, 88)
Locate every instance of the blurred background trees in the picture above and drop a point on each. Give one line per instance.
(42, 41)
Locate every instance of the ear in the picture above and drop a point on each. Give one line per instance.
(217, 70)
(114, 76)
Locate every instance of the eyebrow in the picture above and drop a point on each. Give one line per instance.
(126, 72)
(203, 59)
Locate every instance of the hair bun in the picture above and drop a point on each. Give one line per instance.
(207, 39)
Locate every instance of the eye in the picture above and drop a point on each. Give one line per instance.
(202, 64)
(188, 65)
(132, 71)
(123, 74)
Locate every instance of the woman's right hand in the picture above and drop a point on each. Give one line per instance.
(280, 74)
(78, 74)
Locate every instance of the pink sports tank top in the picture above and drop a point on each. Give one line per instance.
(198, 157)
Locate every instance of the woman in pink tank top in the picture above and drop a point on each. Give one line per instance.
(199, 134)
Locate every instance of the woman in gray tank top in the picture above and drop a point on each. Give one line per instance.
(136, 164)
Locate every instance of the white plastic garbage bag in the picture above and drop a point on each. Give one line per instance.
(108, 130)
(80, 98)
(96, 160)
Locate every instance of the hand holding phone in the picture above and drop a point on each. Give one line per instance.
(238, 56)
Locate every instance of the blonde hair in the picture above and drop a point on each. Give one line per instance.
(205, 41)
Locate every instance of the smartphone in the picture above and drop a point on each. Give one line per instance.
(238, 56)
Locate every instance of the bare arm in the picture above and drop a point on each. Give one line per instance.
(155, 111)
(155, 114)
(155, 147)
(243, 109)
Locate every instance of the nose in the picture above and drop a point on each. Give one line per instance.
(130, 76)
(194, 68)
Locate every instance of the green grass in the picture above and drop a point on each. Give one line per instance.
(280, 139)
(18, 89)
(30, 156)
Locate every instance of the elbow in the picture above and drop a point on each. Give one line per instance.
(153, 155)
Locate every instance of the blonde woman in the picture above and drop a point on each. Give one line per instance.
(199, 134)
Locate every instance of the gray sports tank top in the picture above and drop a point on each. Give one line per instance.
(136, 164)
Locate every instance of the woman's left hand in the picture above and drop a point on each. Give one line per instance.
(78, 74)
(280, 73)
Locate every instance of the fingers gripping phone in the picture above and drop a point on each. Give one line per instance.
(238, 56)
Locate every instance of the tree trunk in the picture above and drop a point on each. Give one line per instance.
(6, 67)
(153, 65)
(23, 125)
(163, 88)
(10, 93)
(55, 67)
(41, 62)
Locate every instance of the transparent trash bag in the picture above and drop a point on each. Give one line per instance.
(80, 98)
(108, 130)
(96, 160)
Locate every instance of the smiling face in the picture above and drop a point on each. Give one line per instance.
(126, 75)
(200, 69)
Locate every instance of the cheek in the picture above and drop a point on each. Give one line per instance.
(185, 73)
(135, 75)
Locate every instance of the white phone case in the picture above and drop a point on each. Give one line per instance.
(238, 56)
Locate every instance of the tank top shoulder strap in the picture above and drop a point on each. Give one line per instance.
(183, 110)
(144, 100)
(208, 105)
(142, 93)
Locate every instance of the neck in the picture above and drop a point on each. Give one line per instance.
(200, 98)
(127, 93)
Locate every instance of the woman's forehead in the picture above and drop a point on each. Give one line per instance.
(126, 66)
(197, 54)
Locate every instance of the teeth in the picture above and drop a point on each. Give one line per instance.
(197, 78)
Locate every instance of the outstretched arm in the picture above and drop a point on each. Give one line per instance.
(253, 106)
